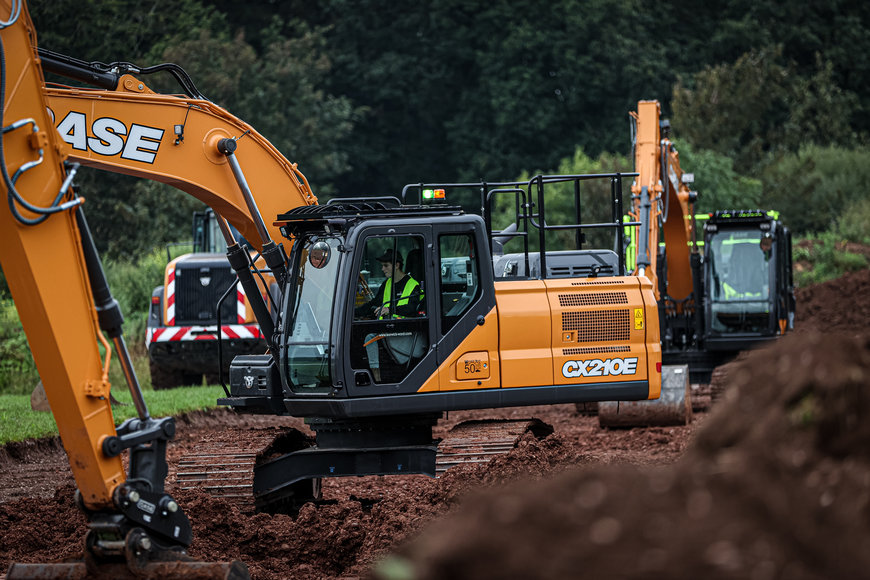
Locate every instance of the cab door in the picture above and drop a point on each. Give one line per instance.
(467, 321)
(389, 346)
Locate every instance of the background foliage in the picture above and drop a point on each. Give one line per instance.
(372, 94)
(769, 103)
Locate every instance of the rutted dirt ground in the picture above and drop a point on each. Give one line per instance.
(773, 483)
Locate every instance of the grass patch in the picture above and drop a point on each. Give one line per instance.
(824, 258)
(18, 422)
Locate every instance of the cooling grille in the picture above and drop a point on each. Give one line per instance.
(597, 283)
(598, 325)
(594, 350)
(593, 299)
(197, 291)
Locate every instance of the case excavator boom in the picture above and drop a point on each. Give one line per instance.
(56, 280)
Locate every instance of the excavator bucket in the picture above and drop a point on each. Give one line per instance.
(135, 556)
(673, 407)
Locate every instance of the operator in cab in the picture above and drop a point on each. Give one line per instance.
(407, 292)
(399, 296)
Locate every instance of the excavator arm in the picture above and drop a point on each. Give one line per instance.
(662, 202)
(175, 140)
(56, 280)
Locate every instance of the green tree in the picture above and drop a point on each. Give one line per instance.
(760, 107)
(718, 184)
(470, 89)
(117, 30)
(814, 187)
(280, 93)
(595, 206)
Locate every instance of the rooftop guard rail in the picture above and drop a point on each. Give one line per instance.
(525, 210)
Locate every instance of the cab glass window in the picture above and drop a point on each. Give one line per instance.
(307, 350)
(460, 279)
(390, 330)
(740, 281)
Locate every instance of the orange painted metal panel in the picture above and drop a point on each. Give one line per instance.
(483, 339)
(194, 165)
(598, 330)
(525, 335)
(45, 270)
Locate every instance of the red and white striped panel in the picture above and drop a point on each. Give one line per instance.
(188, 333)
(241, 300)
(170, 297)
(240, 304)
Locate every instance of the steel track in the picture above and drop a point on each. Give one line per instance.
(228, 473)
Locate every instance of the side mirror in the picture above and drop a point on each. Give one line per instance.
(319, 254)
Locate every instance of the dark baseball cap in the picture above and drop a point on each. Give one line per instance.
(387, 256)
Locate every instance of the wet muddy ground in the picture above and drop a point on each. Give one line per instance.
(772, 482)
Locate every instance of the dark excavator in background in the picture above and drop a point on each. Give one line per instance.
(727, 292)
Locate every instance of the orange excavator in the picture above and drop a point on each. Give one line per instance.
(716, 296)
(371, 360)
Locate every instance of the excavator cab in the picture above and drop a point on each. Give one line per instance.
(378, 295)
(750, 294)
(384, 292)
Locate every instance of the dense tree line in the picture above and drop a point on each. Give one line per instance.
(368, 95)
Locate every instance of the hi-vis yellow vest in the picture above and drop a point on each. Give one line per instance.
(403, 299)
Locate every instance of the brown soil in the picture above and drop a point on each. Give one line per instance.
(838, 306)
(775, 482)
(367, 517)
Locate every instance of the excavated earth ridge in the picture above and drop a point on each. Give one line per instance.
(773, 482)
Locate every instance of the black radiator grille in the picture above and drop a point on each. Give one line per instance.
(197, 291)
(599, 325)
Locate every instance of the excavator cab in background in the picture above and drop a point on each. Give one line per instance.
(748, 279)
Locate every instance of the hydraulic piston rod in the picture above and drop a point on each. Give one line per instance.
(272, 253)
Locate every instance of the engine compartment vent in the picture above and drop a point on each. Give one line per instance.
(599, 325)
(594, 350)
(593, 299)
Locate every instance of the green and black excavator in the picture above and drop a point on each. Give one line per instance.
(727, 292)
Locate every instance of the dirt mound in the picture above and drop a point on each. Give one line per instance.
(53, 528)
(840, 305)
(365, 518)
(346, 536)
(776, 485)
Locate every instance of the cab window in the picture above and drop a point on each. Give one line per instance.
(460, 279)
(390, 330)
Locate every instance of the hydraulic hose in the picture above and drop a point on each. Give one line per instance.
(12, 193)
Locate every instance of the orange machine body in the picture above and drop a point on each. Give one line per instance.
(559, 332)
